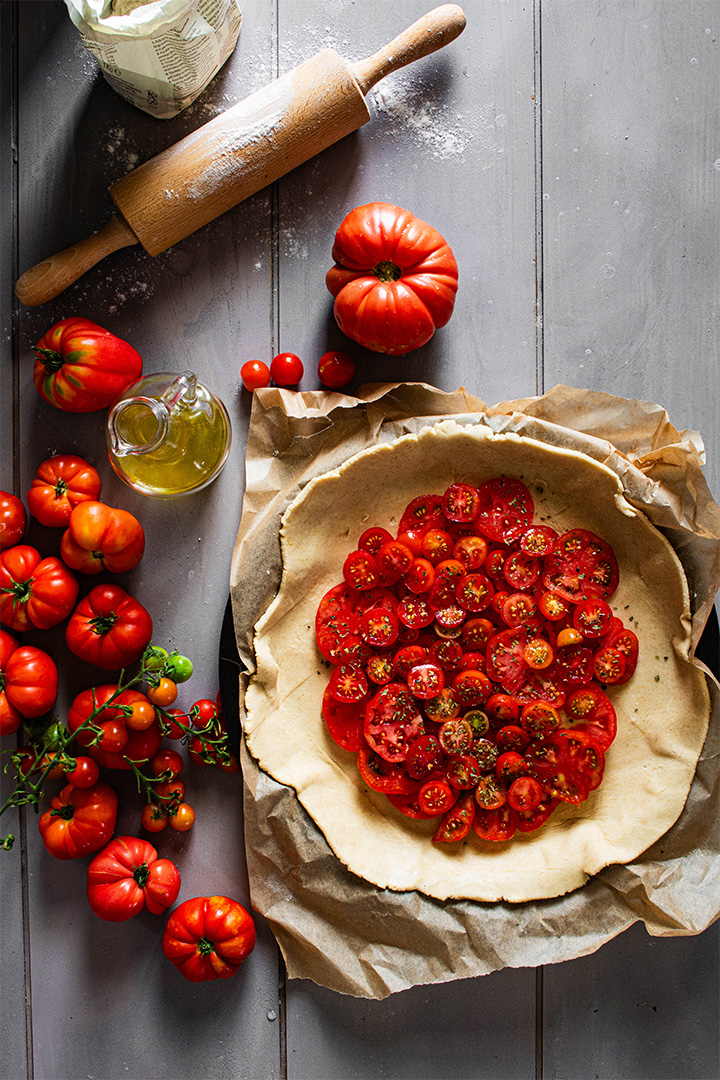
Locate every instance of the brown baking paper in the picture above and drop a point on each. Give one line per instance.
(349, 935)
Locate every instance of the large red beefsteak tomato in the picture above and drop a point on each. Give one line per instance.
(109, 628)
(28, 683)
(80, 367)
(208, 937)
(394, 279)
(80, 820)
(127, 876)
(34, 592)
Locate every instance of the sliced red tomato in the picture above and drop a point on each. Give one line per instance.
(425, 680)
(360, 570)
(473, 592)
(530, 820)
(373, 539)
(626, 642)
(456, 736)
(415, 612)
(583, 566)
(379, 668)
(424, 512)
(420, 578)
(590, 710)
(521, 571)
(408, 657)
(553, 606)
(506, 509)
(592, 617)
(392, 719)
(512, 737)
(517, 608)
(476, 633)
(457, 821)
(394, 559)
(542, 686)
(348, 684)
(574, 665)
(540, 719)
(505, 662)
(490, 794)
(446, 654)
(463, 771)
(461, 502)
(471, 688)
(496, 825)
(409, 805)
(436, 797)
(509, 766)
(379, 627)
(503, 708)
(525, 793)
(568, 765)
(538, 653)
(389, 778)
(339, 613)
(424, 757)
(538, 541)
(609, 666)
(443, 707)
(437, 545)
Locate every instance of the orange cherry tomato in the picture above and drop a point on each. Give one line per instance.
(142, 715)
(165, 693)
(152, 818)
(183, 819)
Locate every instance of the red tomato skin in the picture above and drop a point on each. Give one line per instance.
(13, 520)
(129, 628)
(60, 484)
(101, 537)
(286, 369)
(394, 280)
(34, 592)
(92, 813)
(80, 367)
(127, 876)
(336, 369)
(255, 375)
(208, 937)
(28, 681)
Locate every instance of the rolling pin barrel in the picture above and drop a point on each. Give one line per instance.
(240, 152)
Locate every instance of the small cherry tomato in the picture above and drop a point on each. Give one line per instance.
(142, 715)
(183, 819)
(163, 694)
(553, 606)
(336, 369)
(436, 796)
(490, 794)
(171, 728)
(203, 713)
(179, 668)
(255, 374)
(85, 773)
(525, 793)
(56, 771)
(153, 818)
(569, 636)
(538, 654)
(286, 369)
(167, 761)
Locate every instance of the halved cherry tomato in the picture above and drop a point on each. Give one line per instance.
(538, 541)
(583, 566)
(609, 665)
(443, 707)
(456, 736)
(506, 509)
(590, 710)
(568, 765)
(360, 570)
(409, 805)
(490, 793)
(457, 821)
(574, 665)
(424, 756)
(496, 825)
(255, 374)
(437, 796)
(471, 688)
(392, 719)
(408, 657)
(348, 683)
(538, 653)
(425, 680)
(521, 571)
(415, 612)
(553, 606)
(517, 608)
(474, 591)
(436, 545)
(538, 718)
(420, 578)
(476, 633)
(463, 771)
(506, 662)
(394, 559)
(512, 737)
(471, 551)
(373, 539)
(592, 617)
(447, 654)
(503, 708)
(379, 627)
(525, 793)
(485, 753)
(509, 766)
(626, 642)
(569, 636)
(461, 502)
(424, 512)
(389, 778)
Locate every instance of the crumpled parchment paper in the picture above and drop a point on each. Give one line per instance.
(351, 936)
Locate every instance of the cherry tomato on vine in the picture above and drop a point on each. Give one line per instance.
(85, 773)
(141, 716)
(336, 369)
(286, 369)
(183, 819)
(255, 374)
(203, 713)
(153, 818)
(165, 693)
(179, 668)
(167, 761)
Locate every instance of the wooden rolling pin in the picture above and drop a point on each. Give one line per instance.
(239, 152)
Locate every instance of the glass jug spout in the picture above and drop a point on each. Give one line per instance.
(184, 388)
(141, 409)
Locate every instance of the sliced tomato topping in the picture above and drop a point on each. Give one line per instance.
(521, 571)
(392, 719)
(568, 765)
(525, 793)
(344, 721)
(380, 669)
(582, 567)
(393, 561)
(415, 612)
(457, 821)
(471, 688)
(553, 606)
(497, 825)
(470, 551)
(447, 654)
(503, 708)
(461, 502)
(590, 710)
(408, 657)
(490, 794)
(382, 775)
(609, 665)
(443, 707)
(540, 719)
(437, 545)
(360, 570)
(530, 820)
(538, 653)
(541, 686)
(379, 627)
(476, 633)
(456, 736)
(425, 680)
(592, 617)
(373, 539)
(424, 757)
(509, 766)
(505, 662)
(574, 665)
(512, 737)
(423, 513)
(626, 642)
(473, 592)
(506, 509)
(420, 578)
(436, 797)
(538, 541)
(348, 683)
(463, 771)
(517, 608)
(409, 805)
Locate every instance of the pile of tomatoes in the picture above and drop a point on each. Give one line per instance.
(470, 657)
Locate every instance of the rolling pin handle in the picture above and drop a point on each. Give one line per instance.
(52, 276)
(430, 33)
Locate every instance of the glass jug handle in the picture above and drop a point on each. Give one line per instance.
(120, 447)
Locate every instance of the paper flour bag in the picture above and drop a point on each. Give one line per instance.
(158, 55)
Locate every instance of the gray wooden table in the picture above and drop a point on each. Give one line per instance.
(569, 151)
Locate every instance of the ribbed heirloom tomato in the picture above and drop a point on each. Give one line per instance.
(80, 820)
(80, 367)
(109, 628)
(101, 537)
(60, 484)
(34, 592)
(13, 520)
(208, 937)
(28, 683)
(394, 279)
(127, 876)
(109, 737)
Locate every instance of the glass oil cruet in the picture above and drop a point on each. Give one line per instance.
(168, 435)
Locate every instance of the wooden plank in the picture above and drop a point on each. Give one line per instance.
(105, 1000)
(630, 112)
(451, 139)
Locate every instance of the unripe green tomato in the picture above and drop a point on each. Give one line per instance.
(179, 668)
(155, 658)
